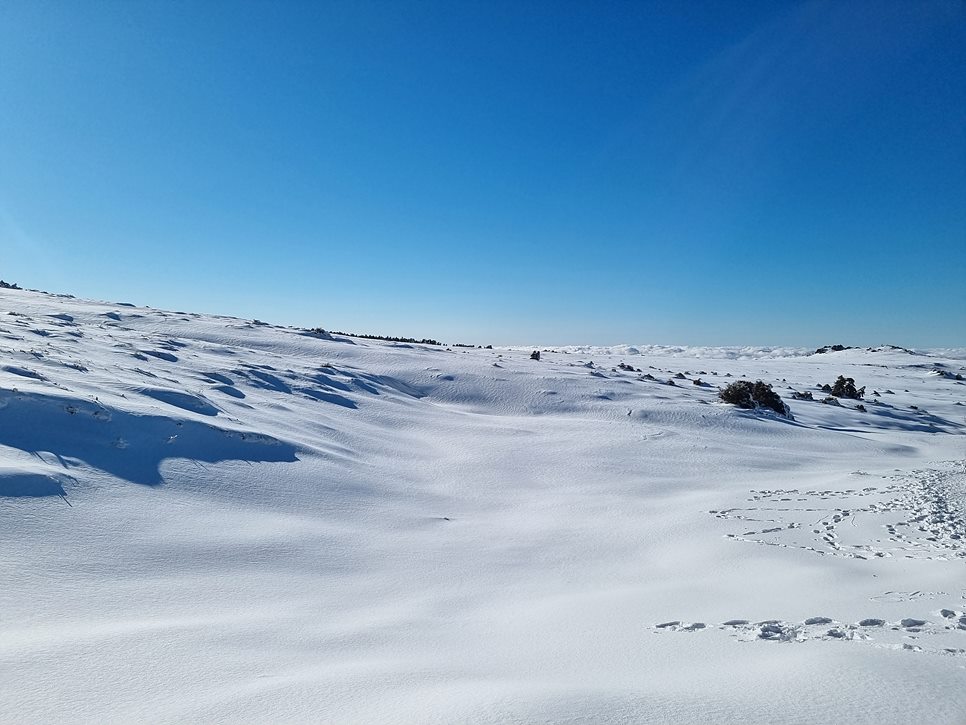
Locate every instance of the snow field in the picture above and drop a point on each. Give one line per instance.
(207, 519)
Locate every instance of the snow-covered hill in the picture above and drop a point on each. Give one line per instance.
(206, 519)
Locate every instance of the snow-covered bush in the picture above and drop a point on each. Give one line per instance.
(753, 396)
(845, 388)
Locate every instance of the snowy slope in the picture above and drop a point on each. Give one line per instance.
(205, 519)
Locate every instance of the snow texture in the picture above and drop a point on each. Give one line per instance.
(204, 519)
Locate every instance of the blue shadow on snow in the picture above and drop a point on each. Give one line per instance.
(123, 444)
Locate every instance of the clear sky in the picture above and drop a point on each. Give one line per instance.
(497, 172)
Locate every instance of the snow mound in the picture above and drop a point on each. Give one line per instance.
(17, 482)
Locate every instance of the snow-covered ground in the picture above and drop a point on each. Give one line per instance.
(205, 519)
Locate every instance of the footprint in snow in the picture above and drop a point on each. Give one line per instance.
(918, 513)
(871, 630)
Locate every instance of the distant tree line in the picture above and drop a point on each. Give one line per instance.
(389, 338)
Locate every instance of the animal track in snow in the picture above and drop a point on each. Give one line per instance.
(908, 596)
(919, 515)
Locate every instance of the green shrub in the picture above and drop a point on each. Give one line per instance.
(752, 396)
(845, 388)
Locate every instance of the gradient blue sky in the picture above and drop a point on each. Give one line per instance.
(497, 172)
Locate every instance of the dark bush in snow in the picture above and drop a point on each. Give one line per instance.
(753, 396)
(832, 401)
(807, 395)
(318, 332)
(8, 285)
(535, 355)
(845, 388)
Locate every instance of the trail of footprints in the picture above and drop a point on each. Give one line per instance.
(910, 633)
(917, 516)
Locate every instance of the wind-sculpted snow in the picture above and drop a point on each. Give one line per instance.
(22, 482)
(129, 446)
(208, 519)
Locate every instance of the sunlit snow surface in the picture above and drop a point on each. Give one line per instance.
(205, 519)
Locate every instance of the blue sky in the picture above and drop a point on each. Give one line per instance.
(497, 172)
